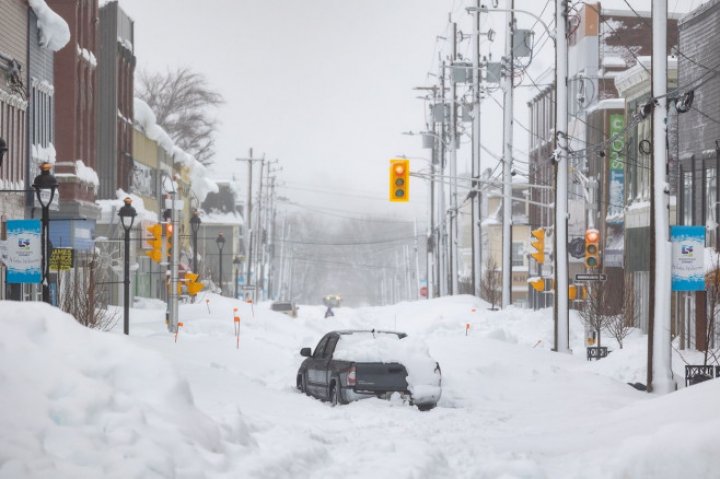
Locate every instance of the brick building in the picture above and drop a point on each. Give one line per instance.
(115, 115)
(75, 98)
(699, 147)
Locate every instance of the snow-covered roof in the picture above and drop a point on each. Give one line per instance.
(109, 209)
(200, 183)
(54, 31)
(218, 218)
(82, 172)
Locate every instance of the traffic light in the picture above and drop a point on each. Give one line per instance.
(399, 180)
(592, 248)
(155, 243)
(168, 238)
(192, 285)
(538, 284)
(538, 244)
(572, 292)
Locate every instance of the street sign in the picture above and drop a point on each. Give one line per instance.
(591, 277)
(62, 259)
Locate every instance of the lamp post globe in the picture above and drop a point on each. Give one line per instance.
(220, 241)
(45, 181)
(127, 216)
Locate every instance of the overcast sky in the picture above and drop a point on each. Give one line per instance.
(326, 86)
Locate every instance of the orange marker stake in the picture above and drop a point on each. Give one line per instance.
(467, 328)
(236, 325)
(473, 310)
(207, 303)
(180, 325)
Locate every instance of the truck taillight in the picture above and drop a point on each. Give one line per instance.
(352, 376)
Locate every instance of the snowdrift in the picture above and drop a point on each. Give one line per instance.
(82, 403)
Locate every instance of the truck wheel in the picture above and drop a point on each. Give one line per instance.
(302, 385)
(336, 394)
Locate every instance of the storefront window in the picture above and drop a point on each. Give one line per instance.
(687, 218)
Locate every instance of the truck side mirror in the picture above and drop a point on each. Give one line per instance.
(305, 352)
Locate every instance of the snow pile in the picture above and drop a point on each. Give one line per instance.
(145, 117)
(42, 154)
(86, 173)
(423, 381)
(109, 209)
(200, 182)
(87, 55)
(230, 218)
(54, 31)
(82, 403)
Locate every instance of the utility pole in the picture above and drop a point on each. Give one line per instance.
(251, 241)
(476, 211)
(442, 232)
(562, 337)
(454, 262)
(259, 232)
(659, 350)
(507, 156)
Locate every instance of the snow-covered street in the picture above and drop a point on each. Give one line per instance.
(79, 403)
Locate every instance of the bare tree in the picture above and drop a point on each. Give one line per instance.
(622, 322)
(712, 292)
(182, 101)
(86, 296)
(490, 284)
(601, 306)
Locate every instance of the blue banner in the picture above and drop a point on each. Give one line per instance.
(688, 258)
(24, 251)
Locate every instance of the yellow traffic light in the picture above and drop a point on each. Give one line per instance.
(168, 239)
(399, 180)
(539, 245)
(155, 242)
(592, 249)
(538, 284)
(572, 292)
(193, 287)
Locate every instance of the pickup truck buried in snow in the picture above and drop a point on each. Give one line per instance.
(356, 364)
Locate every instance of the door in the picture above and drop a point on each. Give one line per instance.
(317, 369)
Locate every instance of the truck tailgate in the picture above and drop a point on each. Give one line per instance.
(381, 377)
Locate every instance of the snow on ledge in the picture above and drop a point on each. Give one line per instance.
(54, 31)
(109, 209)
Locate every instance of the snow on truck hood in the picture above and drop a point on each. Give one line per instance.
(413, 353)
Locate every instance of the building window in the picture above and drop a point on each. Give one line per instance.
(517, 254)
(711, 204)
(687, 218)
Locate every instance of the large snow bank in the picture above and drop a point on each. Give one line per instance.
(82, 403)
(54, 31)
(423, 381)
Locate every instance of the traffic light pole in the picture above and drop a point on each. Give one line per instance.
(454, 263)
(476, 167)
(561, 193)
(174, 267)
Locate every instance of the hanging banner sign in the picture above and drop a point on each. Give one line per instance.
(616, 206)
(62, 259)
(688, 258)
(24, 251)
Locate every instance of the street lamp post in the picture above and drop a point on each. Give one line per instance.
(220, 241)
(45, 181)
(127, 215)
(237, 262)
(195, 226)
